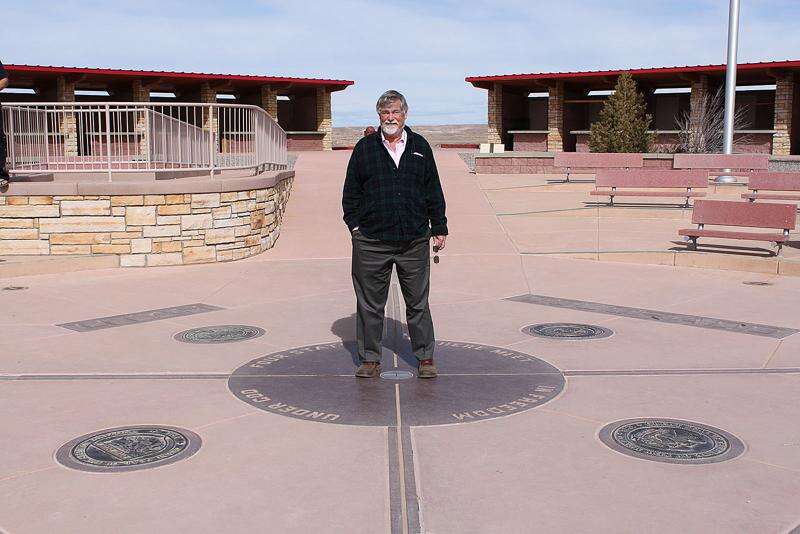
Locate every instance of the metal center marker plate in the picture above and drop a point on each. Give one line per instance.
(671, 441)
(475, 382)
(568, 331)
(397, 375)
(128, 448)
(219, 334)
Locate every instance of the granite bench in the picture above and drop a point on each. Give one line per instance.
(682, 184)
(721, 162)
(787, 185)
(596, 160)
(781, 217)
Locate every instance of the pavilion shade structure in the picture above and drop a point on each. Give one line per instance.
(298, 104)
(562, 106)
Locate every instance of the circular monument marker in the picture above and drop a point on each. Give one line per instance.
(568, 331)
(671, 441)
(397, 375)
(475, 382)
(219, 334)
(128, 449)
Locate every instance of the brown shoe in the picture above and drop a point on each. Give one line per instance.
(368, 370)
(427, 369)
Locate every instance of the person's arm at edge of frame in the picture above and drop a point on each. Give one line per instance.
(436, 203)
(352, 192)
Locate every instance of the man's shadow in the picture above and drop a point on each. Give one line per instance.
(395, 338)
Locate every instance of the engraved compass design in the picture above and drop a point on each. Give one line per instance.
(128, 448)
(220, 334)
(567, 331)
(671, 440)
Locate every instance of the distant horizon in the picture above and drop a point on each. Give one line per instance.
(411, 124)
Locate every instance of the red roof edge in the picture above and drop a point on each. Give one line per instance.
(656, 70)
(169, 74)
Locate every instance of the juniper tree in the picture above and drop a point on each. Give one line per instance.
(623, 122)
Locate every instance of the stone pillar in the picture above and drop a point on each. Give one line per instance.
(210, 116)
(67, 122)
(324, 123)
(697, 99)
(784, 101)
(141, 93)
(208, 96)
(269, 101)
(495, 118)
(555, 118)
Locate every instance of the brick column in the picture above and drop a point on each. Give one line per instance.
(269, 101)
(208, 96)
(141, 93)
(67, 122)
(555, 118)
(324, 123)
(697, 99)
(784, 101)
(495, 118)
(210, 118)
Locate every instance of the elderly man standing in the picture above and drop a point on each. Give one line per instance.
(393, 205)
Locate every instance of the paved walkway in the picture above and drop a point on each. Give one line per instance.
(508, 439)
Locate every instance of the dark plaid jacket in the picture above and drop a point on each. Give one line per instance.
(393, 203)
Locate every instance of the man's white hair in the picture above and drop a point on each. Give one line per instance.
(391, 96)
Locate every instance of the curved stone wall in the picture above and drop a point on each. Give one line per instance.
(169, 222)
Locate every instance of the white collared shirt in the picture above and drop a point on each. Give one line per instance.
(399, 147)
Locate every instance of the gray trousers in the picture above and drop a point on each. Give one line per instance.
(372, 269)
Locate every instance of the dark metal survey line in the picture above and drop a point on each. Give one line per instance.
(404, 503)
(681, 319)
(569, 372)
(668, 372)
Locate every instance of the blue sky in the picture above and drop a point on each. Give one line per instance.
(421, 48)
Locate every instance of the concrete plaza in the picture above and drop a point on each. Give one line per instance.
(465, 452)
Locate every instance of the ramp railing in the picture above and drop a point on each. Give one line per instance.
(125, 137)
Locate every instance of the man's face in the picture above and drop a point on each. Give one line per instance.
(392, 118)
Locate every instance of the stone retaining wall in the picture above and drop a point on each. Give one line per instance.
(148, 229)
(542, 163)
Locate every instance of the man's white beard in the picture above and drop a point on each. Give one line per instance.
(390, 129)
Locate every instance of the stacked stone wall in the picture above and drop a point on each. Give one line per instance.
(495, 117)
(555, 118)
(784, 99)
(324, 123)
(146, 229)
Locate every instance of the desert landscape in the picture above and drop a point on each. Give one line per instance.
(436, 135)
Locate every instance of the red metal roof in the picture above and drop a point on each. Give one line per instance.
(749, 70)
(175, 77)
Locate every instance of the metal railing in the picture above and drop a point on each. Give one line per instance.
(124, 137)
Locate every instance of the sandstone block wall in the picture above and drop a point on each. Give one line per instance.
(146, 229)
